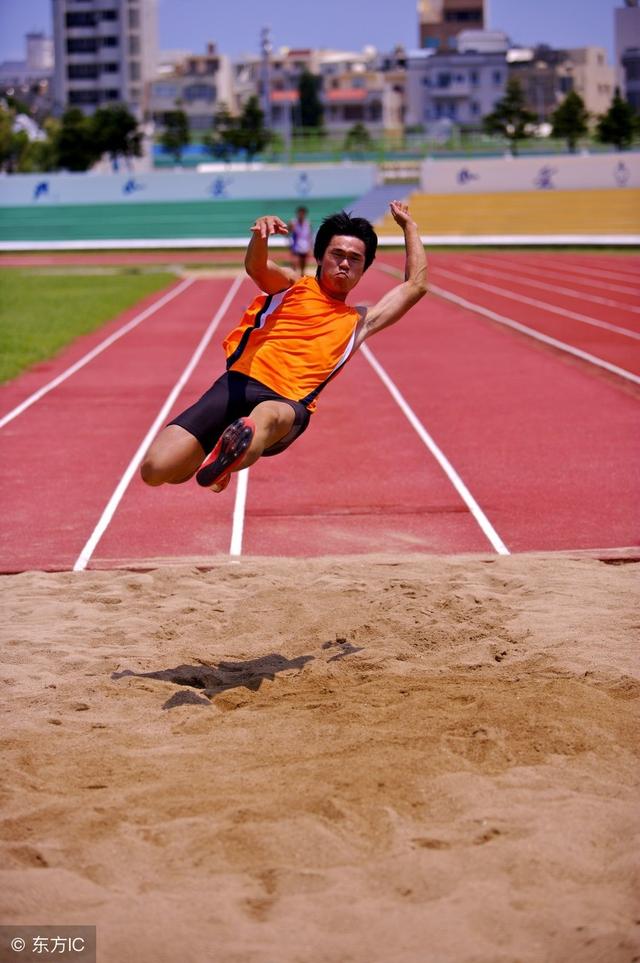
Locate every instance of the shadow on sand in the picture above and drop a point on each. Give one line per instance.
(211, 680)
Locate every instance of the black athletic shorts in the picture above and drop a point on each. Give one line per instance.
(230, 397)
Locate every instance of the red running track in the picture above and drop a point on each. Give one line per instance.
(546, 444)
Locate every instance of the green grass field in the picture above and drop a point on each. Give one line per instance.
(40, 313)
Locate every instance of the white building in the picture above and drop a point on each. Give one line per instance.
(627, 38)
(460, 87)
(593, 78)
(36, 68)
(199, 84)
(105, 52)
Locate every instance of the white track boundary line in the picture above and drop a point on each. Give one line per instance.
(237, 529)
(129, 326)
(522, 328)
(581, 268)
(549, 271)
(85, 555)
(543, 305)
(453, 476)
(494, 271)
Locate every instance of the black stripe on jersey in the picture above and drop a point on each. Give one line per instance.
(242, 344)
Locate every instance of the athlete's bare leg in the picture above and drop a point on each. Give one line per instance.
(273, 420)
(174, 457)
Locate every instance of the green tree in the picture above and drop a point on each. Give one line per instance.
(311, 109)
(357, 138)
(7, 139)
(218, 142)
(619, 125)
(41, 155)
(75, 146)
(249, 133)
(175, 135)
(116, 132)
(510, 116)
(570, 120)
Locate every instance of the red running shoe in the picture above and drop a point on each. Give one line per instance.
(230, 450)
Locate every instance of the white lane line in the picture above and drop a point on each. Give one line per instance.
(95, 351)
(238, 513)
(531, 332)
(439, 456)
(547, 268)
(546, 286)
(108, 513)
(582, 268)
(544, 305)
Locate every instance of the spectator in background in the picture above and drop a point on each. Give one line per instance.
(301, 237)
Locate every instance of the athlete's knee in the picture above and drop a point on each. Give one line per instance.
(153, 473)
(274, 415)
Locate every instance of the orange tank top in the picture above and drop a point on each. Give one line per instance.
(294, 341)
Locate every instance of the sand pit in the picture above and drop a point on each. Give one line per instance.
(366, 760)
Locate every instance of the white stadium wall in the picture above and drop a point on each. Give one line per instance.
(296, 183)
(496, 174)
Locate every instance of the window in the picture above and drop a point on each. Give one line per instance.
(497, 77)
(82, 71)
(109, 14)
(474, 78)
(112, 94)
(134, 70)
(168, 91)
(353, 112)
(110, 68)
(84, 97)
(88, 19)
(444, 80)
(375, 110)
(80, 45)
(134, 93)
(110, 41)
(200, 92)
(475, 108)
(463, 16)
(566, 84)
(134, 19)
(134, 45)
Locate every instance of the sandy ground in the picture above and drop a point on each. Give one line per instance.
(366, 760)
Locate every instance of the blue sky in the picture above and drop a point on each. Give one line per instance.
(343, 24)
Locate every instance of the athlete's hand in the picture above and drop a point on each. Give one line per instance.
(269, 224)
(400, 214)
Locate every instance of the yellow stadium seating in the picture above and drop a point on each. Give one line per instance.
(524, 212)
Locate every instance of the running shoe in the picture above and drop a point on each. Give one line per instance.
(230, 450)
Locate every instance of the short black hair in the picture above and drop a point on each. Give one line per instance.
(344, 224)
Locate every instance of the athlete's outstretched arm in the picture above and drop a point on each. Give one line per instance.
(398, 300)
(269, 276)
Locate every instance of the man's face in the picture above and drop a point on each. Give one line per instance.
(342, 265)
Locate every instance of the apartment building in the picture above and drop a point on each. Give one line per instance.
(105, 52)
(593, 78)
(460, 87)
(353, 87)
(626, 25)
(198, 83)
(547, 76)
